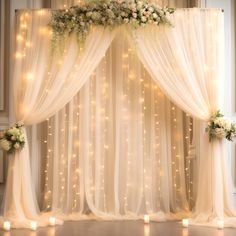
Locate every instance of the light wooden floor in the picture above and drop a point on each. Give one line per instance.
(121, 228)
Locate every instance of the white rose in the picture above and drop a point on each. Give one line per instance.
(88, 14)
(140, 3)
(154, 15)
(143, 19)
(123, 13)
(126, 20)
(134, 15)
(5, 145)
(219, 121)
(16, 146)
(151, 9)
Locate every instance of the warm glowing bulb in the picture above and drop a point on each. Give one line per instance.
(29, 76)
(19, 38)
(33, 225)
(52, 221)
(185, 223)
(23, 26)
(146, 219)
(141, 99)
(18, 55)
(220, 224)
(28, 44)
(6, 225)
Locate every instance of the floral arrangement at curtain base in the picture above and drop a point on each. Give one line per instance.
(12, 139)
(106, 13)
(220, 127)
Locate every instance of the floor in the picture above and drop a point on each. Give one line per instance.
(121, 228)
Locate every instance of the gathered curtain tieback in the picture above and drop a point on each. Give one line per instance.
(13, 138)
(219, 127)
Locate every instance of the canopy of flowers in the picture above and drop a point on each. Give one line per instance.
(107, 13)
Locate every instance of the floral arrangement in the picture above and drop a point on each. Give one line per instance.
(107, 13)
(12, 139)
(219, 127)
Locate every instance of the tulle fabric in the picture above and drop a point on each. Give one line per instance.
(185, 61)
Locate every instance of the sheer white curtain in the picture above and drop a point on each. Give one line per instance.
(187, 62)
(42, 86)
(118, 147)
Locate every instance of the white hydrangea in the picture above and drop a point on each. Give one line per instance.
(14, 131)
(5, 145)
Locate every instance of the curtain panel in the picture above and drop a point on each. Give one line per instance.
(186, 62)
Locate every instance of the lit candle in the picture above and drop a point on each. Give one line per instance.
(220, 224)
(6, 225)
(52, 221)
(33, 225)
(146, 219)
(185, 223)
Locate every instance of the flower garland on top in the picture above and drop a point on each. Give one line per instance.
(12, 139)
(219, 127)
(107, 13)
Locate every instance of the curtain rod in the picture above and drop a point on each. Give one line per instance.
(202, 9)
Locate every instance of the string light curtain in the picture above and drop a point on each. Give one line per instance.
(118, 146)
(42, 86)
(39, 94)
(187, 62)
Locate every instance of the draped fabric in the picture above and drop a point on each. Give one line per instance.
(42, 86)
(186, 62)
(118, 146)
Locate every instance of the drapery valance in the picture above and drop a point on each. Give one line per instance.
(186, 60)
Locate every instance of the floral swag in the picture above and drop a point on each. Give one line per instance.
(106, 13)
